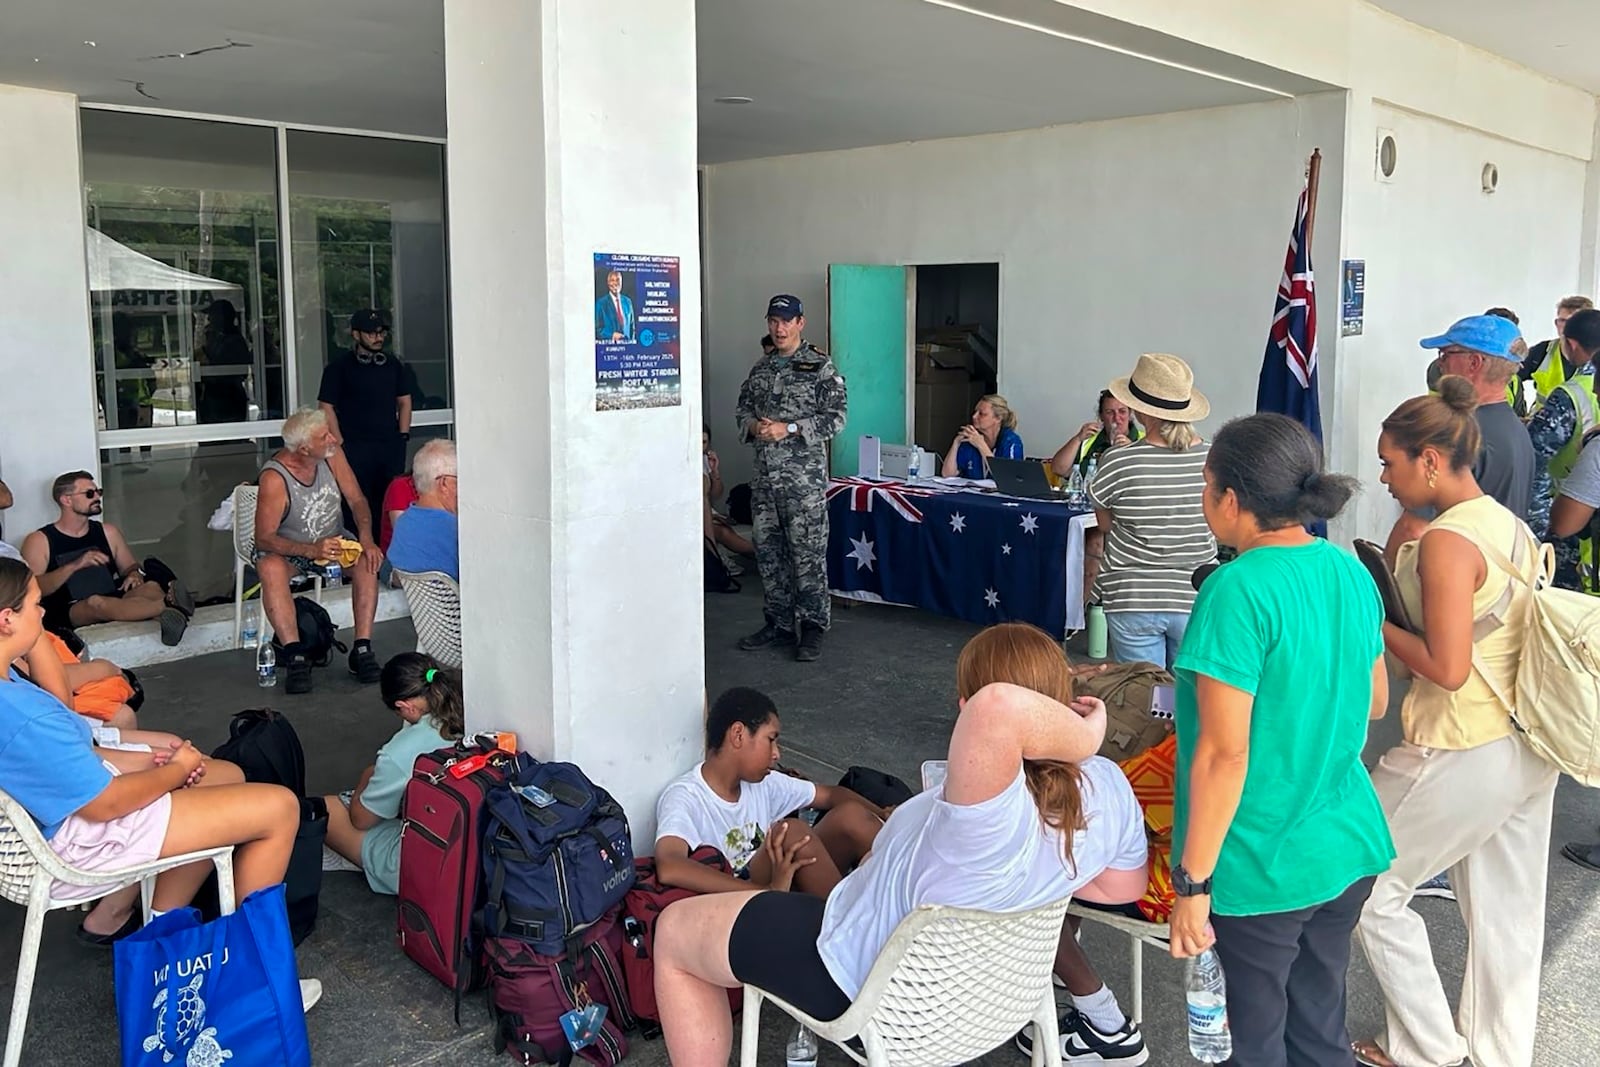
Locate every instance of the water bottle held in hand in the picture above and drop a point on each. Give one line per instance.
(1207, 993)
(266, 666)
(802, 1049)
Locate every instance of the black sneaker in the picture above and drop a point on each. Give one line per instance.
(364, 665)
(810, 646)
(173, 625)
(767, 635)
(1438, 886)
(296, 671)
(1081, 1043)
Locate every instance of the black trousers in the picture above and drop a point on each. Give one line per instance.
(1285, 974)
(375, 463)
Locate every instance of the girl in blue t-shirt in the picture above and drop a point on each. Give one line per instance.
(101, 819)
(364, 825)
(992, 432)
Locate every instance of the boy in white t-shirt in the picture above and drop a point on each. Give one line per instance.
(733, 802)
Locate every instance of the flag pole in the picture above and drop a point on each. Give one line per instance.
(1313, 178)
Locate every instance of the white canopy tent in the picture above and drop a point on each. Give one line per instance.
(114, 266)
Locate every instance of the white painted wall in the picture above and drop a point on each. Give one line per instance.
(1164, 233)
(1353, 44)
(1437, 248)
(583, 625)
(47, 411)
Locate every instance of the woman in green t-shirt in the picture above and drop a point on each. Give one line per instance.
(1278, 832)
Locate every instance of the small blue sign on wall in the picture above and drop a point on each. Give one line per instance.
(1352, 297)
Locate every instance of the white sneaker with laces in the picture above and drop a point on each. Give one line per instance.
(332, 861)
(310, 993)
(1082, 1044)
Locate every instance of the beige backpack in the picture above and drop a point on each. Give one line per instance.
(1556, 700)
(1128, 690)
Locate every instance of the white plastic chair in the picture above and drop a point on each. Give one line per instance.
(29, 871)
(1140, 933)
(244, 555)
(950, 985)
(435, 601)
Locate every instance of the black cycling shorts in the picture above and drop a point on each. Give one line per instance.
(774, 945)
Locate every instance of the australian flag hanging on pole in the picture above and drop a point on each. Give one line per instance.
(1288, 383)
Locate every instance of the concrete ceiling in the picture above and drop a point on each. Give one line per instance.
(1553, 37)
(849, 73)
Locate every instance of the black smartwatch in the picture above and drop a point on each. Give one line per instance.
(1184, 886)
(405, 435)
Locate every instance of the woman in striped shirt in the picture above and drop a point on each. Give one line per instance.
(1147, 497)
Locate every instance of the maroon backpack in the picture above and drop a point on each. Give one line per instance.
(642, 908)
(529, 992)
(440, 864)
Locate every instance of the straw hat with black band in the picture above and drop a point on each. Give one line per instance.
(1162, 387)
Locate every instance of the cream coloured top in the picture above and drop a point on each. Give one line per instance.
(1472, 715)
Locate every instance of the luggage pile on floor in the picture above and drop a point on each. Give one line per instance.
(520, 875)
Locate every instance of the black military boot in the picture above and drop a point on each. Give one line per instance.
(770, 634)
(810, 646)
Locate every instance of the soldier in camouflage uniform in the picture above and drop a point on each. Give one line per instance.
(1559, 432)
(790, 406)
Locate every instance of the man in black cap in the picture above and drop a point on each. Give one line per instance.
(790, 407)
(366, 393)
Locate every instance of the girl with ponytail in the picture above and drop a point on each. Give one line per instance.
(364, 824)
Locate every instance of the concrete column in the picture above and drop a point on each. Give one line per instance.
(1589, 244)
(572, 131)
(48, 423)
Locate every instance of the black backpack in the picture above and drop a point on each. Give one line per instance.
(266, 748)
(718, 580)
(318, 635)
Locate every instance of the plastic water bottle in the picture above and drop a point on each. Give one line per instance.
(802, 1049)
(251, 633)
(333, 574)
(266, 665)
(914, 465)
(1088, 474)
(1075, 488)
(1207, 993)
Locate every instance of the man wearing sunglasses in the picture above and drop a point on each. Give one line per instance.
(88, 574)
(366, 393)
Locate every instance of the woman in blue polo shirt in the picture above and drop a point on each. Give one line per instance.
(99, 819)
(992, 432)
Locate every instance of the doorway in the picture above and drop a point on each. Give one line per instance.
(956, 357)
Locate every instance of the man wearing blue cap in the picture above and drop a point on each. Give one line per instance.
(790, 406)
(1484, 349)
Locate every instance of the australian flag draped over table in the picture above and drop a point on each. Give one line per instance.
(1288, 383)
(981, 557)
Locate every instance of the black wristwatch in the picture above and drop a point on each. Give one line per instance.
(405, 435)
(1185, 886)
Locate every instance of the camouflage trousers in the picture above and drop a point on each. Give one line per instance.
(791, 536)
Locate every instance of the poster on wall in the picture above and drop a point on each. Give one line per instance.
(637, 344)
(1352, 297)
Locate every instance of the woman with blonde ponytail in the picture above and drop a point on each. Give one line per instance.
(364, 824)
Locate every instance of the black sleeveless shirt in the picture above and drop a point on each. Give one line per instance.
(91, 581)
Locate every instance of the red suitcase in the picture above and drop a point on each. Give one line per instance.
(440, 841)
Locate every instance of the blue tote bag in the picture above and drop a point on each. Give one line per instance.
(195, 994)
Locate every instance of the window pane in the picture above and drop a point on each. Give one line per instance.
(162, 497)
(183, 266)
(366, 216)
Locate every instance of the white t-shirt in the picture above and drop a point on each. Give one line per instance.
(689, 809)
(998, 856)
